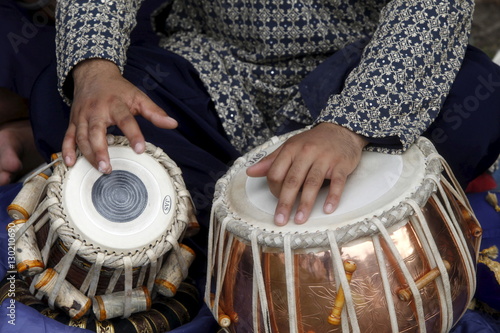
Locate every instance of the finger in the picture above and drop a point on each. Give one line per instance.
(9, 160)
(98, 145)
(5, 178)
(337, 184)
(261, 168)
(83, 143)
(290, 188)
(278, 171)
(127, 123)
(156, 115)
(10, 165)
(310, 189)
(69, 146)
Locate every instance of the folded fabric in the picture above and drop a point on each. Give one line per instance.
(476, 322)
(488, 285)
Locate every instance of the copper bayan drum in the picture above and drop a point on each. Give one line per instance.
(108, 242)
(398, 255)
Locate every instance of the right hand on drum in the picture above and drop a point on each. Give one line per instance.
(298, 168)
(102, 98)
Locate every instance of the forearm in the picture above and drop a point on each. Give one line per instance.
(88, 29)
(405, 72)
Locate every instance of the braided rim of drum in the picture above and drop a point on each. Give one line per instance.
(115, 260)
(307, 239)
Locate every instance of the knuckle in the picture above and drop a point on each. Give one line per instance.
(123, 121)
(126, 120)
(333, 197)
(275, 175)
(338, 181)
(94, 126)
(292, 182)
(309, 147)
(313, 181)
(284, 205)
(80, 137)
(305, 204)
(288, 147)
(273, 178)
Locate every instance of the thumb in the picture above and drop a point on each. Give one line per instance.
(261, 168)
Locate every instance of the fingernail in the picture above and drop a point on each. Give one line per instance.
(299, 217)
(329, 208)
(67, 160)
(279, 219)
(139, 148)
(103, 167)
(172, 120)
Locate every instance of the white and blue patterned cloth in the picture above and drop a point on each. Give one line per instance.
(252, 55)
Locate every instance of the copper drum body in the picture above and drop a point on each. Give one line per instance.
(436, 248)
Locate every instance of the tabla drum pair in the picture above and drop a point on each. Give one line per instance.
(89, 242)
(398, 254)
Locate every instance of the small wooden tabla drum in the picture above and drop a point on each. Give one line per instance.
(398, 254)
(106, 241)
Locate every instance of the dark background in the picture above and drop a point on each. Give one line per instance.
(486, 26)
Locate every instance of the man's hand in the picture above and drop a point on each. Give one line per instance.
(102, 98)
(303, 162)
(18, 154)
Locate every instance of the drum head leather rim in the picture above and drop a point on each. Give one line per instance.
(245, 217)
(378, 183)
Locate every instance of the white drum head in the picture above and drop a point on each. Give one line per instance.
(125, 211)
(380, 182)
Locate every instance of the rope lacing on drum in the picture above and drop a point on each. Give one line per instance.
(62, 268)
(153, 260)
(290, 284)
(223, 253)
(379, 253)
(34, 217)
(127, 308)
(443, 283)
(259, 279)
(338, 269)
(89, 285)
(452, 222)
(409, 278)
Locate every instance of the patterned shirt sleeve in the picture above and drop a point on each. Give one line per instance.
(405, 72)
(92, 29)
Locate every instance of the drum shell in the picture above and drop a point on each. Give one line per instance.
(80, 267)
(315, 287)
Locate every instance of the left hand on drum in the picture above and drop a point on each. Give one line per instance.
(327, 151)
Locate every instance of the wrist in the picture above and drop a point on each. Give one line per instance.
(354, 137)
(92, 69)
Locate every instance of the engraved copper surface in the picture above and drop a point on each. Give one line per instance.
(315, 287)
